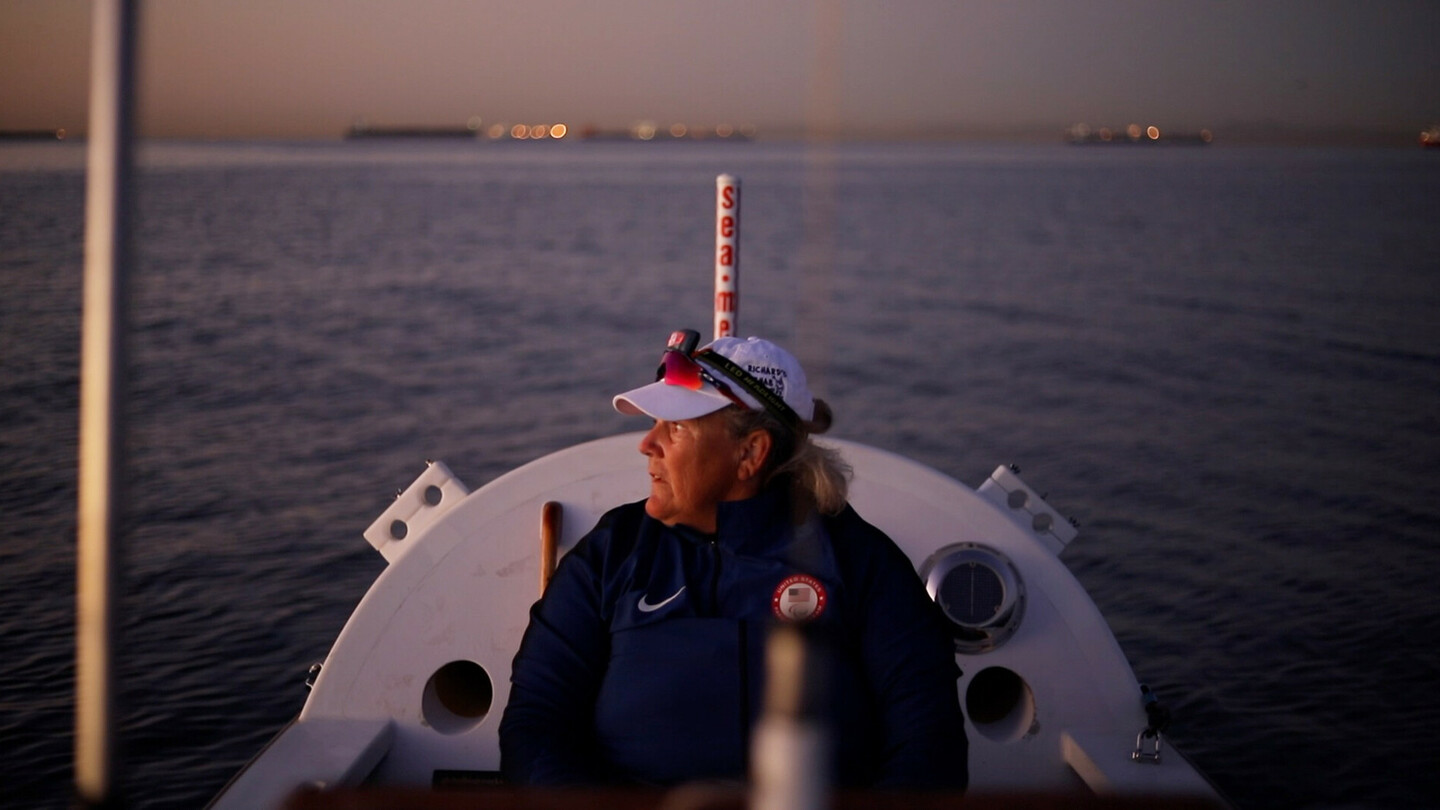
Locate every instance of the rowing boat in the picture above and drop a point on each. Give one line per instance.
(411, 692)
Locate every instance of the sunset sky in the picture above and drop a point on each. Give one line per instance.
(310, 68)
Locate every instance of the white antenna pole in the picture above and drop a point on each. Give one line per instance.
(727, 255)
(102, 367)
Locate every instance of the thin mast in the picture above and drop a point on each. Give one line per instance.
(102, 366)
(727, 255)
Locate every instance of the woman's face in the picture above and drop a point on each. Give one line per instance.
(694, 465)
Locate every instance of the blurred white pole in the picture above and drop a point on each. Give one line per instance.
(102, 366)
(727, 255)
(790, 750)
(820, 202)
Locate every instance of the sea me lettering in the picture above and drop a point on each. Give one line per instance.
(727, 254)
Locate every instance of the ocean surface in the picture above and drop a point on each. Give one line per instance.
(1223, 362)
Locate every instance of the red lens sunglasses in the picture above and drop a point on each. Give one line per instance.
(679, 367)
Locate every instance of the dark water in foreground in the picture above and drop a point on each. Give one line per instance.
(1223, 362)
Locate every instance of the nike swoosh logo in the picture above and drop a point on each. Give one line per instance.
(646, 607)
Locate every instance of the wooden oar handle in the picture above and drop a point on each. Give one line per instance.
(549, 541)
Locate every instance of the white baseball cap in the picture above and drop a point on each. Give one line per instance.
(755, 371)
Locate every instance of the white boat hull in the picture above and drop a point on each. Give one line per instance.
(414, 686)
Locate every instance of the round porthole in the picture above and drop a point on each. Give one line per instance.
(457, 697)
(1000, 704)
(980, 593)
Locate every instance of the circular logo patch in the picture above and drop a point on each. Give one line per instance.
(799, 599)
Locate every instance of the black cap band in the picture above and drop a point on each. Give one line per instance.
(768, 398)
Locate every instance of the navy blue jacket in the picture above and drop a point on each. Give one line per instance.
(644, 660)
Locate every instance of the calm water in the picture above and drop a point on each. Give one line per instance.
(1223, 362)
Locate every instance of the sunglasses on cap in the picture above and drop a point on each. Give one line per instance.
(680, 366)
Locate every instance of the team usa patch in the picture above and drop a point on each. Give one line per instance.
(799, 598)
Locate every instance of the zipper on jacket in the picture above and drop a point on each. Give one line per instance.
(744, 701)
(715, 557)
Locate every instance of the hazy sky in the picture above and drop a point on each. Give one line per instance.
(303, 68)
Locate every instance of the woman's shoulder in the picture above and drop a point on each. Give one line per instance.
(847, 526)
(614, 533)
(623, 515)
(861, 546)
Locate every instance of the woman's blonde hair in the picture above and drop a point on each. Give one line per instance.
(819, 476)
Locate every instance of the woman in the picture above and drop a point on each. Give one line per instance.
(644, 661)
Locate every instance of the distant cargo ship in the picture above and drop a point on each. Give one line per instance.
(642, 131)
(32, 134)
(366, 131)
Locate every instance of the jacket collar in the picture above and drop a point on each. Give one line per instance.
(756, 524)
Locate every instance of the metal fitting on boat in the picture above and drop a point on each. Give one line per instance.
(1151, 757)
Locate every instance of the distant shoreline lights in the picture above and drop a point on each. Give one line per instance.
(509, 131)
(1134, 134)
